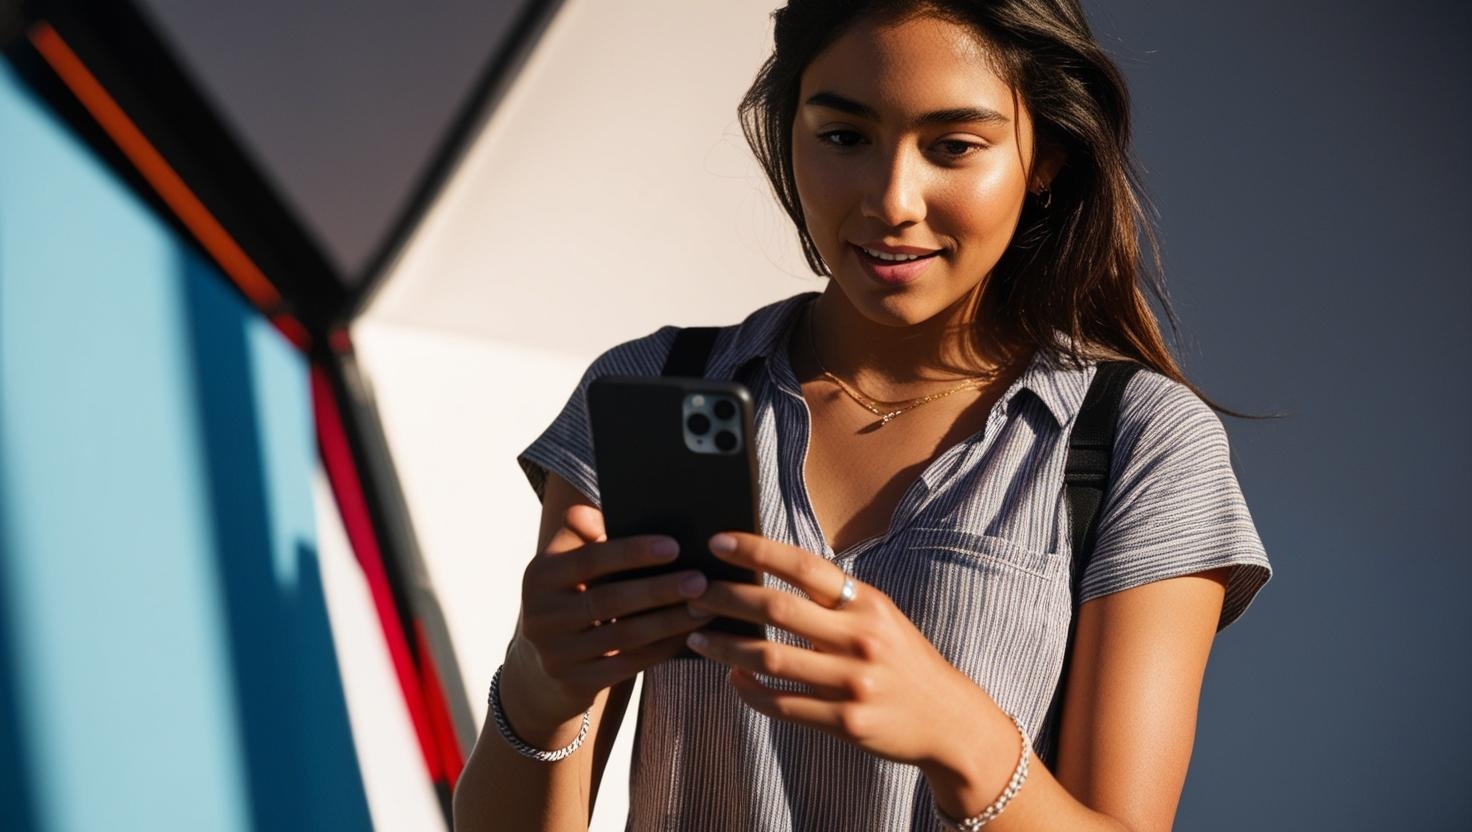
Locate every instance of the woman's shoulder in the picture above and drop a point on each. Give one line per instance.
(756, 334)
(1151, 395)
(644, 355)
(1159, 415)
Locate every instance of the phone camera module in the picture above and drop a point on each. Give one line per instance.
(698, 424)
(712, 423)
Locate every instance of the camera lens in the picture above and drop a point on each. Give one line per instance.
(726, 440)
(725, 409)
(698, 423)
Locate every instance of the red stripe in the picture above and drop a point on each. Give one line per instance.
(451, 759)
(347, 488)
(165, 181)
(293, 330)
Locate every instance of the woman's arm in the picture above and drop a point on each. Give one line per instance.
(499, 788)
(1128, 721)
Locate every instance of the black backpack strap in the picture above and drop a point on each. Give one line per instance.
(690, 352)
(1090, 452)
(1086, 480)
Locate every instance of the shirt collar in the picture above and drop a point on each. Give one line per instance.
(1057, 382)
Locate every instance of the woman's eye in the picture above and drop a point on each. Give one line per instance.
(956, 148)
(840, 138)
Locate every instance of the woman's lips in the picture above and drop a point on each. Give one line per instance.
(890, 272)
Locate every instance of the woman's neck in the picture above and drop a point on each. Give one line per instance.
(890, 362)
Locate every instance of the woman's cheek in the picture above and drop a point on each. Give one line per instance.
(983, 206)
(819, 198)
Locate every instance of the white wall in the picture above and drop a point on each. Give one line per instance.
(611, 193)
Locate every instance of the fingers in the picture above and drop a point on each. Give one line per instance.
(581, 659)
(591, 561)
(634, 643)
(817, 577)
(825, 628)
(829, 676)
(620, 599)
(796, 707)
(550, 610)
(607, 671)
(560, 604)
(633, 632)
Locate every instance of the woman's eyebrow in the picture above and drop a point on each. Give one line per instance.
(953, 115)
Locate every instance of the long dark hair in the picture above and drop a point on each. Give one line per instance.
(1082, 265)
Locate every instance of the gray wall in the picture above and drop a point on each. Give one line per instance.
(342, 102)
(1310, 163)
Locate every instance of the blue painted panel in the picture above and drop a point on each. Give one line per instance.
(165, 656)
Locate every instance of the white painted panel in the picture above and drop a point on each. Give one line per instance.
(457, 411)
(400, 796)
(611, 192)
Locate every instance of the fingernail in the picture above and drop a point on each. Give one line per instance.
(697, 641)
(723, 544)
(664, 548)
(697, 614)
(692, 585)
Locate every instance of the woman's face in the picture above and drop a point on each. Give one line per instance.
(906, 142)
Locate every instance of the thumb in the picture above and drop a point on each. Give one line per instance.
(581, 525)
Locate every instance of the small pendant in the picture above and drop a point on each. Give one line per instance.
(884, 420)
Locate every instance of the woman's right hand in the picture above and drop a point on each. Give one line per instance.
(576, 638)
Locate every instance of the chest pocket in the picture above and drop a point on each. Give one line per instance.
(996, 610)
(984, 552)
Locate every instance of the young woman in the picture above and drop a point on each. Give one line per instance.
(960, 172)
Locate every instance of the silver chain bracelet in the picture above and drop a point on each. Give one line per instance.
(521, 746)
(1019, 776)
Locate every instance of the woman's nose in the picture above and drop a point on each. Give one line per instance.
(895, 194)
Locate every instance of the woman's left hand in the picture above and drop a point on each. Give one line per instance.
(873, 678)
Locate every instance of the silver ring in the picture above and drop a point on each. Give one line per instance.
(847, 593)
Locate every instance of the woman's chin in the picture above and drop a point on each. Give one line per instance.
(897, 307)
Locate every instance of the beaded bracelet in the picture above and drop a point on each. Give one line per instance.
(1019, 776)
(521, 746)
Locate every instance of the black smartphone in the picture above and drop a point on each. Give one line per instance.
(675, 457)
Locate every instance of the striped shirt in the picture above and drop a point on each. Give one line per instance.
(978, 556)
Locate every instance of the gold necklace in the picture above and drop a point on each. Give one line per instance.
(885, 410)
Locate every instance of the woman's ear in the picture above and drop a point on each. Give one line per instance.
(1050, 159)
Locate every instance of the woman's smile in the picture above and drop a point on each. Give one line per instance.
(893, 268)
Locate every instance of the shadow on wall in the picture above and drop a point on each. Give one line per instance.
(166, 659)
(17, 807)
(300, 758)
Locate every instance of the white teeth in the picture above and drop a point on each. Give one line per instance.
(894, 258)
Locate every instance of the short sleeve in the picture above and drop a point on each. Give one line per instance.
(566, 446)
(1174, 506)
